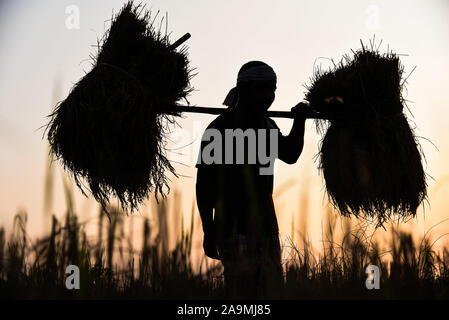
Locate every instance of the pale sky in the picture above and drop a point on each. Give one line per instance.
(40, 59)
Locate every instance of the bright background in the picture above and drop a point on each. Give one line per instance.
(43, 52)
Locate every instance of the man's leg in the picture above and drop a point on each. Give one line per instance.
(270, 266)
(239, 268)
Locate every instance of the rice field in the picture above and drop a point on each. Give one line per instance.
(112, 267)
(158, 256)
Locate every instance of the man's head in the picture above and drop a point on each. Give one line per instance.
(256, 86)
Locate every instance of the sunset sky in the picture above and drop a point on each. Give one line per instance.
(42, 54)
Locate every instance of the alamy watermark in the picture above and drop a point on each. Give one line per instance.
(372, 18)
(72, 21)
(373, 279)
(73, 279)
(256, 152)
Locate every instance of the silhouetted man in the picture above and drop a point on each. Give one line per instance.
(234, 197)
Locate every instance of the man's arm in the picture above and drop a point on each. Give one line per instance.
(290, 147)
(204, 198)
(205, 188)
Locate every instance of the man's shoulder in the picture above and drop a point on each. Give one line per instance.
(226, 120)
(272, 124)
(221, 122)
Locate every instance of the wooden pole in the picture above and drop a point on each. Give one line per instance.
(180, 41)
(211, 110)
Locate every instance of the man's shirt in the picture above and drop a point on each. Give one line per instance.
(242, 196)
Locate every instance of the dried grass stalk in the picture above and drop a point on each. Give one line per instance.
(110, 131)
(369, 155)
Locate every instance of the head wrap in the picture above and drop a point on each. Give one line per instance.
(256, 73)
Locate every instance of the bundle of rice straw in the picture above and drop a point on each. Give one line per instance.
(110, 130)
(369, 156)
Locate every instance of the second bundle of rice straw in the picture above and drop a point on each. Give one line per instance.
(369, 155)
